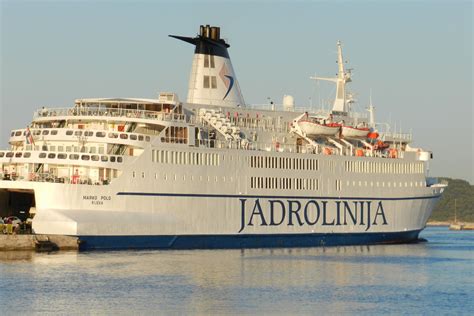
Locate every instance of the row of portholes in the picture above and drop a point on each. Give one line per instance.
(86, 134)
(386, 184)
(44, 155)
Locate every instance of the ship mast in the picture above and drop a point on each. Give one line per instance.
(343, 77)
(371, 110)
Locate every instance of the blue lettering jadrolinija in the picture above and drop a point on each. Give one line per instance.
(256, 212)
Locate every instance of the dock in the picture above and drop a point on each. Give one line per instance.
(461, 226)
(38, 242)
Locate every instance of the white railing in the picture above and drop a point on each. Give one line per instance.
(141, 114)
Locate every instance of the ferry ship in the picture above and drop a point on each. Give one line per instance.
(215, 172)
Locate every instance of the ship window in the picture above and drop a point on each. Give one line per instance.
(26, 155)
(78, 133)
(133, 137)
(73, 156)
(95, 158)
(62, 156)
(100, 134)
(119, 159)
(36, 133)
(143, 174)
(51, 156)
(60, 148)
(46, 132)
(206, 61)
(213, 82)
(206, 83)
(54, 132)
(85, 157)
(104, 158)
(113, 135)
(133, 174)
(123, 136)
(112, 159)
(41, 155)
(213, 65)
(18, 133)
(18, 154)
(69, 133)
(140, 137)
(147, 138)
(89, 133)
(12, 134)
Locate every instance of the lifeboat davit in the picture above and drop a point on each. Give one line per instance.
(313, 129)
(355, 132)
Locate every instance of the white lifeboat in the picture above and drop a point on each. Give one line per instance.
(355, 132)
(318, 129)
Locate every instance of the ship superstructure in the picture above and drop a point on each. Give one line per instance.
(214, 172)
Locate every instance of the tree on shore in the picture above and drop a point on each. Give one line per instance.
(460, 195)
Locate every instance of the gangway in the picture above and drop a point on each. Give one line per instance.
(223, 125)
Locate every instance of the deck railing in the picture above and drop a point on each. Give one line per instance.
(140, 114)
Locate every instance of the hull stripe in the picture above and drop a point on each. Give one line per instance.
(240, 196)
(244, 240)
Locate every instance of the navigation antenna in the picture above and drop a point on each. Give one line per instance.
(343, 77)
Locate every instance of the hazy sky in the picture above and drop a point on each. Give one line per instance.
(416, 57)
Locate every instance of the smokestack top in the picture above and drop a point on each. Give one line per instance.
(211, 32)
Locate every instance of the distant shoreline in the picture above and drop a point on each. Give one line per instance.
(448, 224)
(439, 223)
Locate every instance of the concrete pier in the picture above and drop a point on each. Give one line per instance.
(29, 242)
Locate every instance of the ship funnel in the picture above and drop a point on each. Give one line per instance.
(212, 80)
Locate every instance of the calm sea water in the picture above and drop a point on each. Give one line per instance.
(434, 277)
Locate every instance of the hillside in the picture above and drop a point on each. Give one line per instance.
(463, 193)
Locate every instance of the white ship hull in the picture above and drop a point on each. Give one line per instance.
(150, 213)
